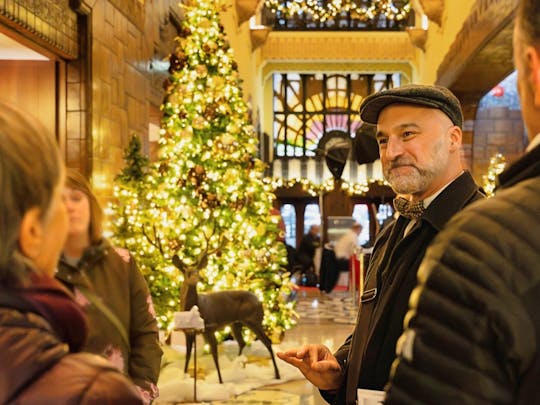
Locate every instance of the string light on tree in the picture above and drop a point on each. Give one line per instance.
(489, 180)
(205, 199)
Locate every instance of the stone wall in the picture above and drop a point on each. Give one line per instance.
(109, 84)
(497, 129)
(126, 38)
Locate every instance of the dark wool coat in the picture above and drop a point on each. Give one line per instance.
(475, 338)
(367, 354)
(37, 369)
(112, 277)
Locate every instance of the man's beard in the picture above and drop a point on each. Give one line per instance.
(411, 183)
(419, 178)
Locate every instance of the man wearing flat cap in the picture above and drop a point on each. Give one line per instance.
(480, 344)
(419, 131)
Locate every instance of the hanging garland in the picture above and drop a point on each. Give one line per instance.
(328, 185)
(323, 12)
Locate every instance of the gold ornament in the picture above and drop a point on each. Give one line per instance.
(198, 122)
(201, 70)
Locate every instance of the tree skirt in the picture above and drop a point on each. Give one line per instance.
(253, 369)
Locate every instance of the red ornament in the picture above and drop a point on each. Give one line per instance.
(497, 91)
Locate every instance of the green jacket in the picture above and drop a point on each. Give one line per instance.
(107, 283)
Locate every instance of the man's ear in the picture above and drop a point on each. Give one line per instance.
(31, 233)
(456, 137)
(533, 59)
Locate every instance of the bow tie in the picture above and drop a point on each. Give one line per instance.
(408, 209)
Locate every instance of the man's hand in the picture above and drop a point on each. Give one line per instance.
(317, 364)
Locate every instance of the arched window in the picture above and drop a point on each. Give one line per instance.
(361, 215)
(312, 216)
(288, 214)
(307, 106)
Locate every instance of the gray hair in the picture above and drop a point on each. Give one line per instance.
(30, 170)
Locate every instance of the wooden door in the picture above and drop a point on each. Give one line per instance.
(31, 86)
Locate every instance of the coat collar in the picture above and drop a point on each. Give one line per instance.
(526, 167)
(451, 200)
(91, 254)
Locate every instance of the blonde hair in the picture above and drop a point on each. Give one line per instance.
(30, 170)
(76, 181)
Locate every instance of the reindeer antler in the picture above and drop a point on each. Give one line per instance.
(178, 263)
(156, 241)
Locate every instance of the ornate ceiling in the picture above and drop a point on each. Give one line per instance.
(479, 58)
(481, 55)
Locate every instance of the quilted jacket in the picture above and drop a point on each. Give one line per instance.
(474, 334)
(37, 368)
(368, 353)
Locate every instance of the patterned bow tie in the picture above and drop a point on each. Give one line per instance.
(408, 209)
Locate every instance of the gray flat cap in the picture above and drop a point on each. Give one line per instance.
(421, 95)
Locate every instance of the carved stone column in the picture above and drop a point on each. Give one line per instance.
(245, 9)
(418, 37)
(258, 36)
(433, 9)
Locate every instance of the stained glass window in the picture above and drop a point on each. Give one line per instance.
(306, 106)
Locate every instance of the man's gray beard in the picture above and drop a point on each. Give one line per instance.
(410, 184)
(420, 179)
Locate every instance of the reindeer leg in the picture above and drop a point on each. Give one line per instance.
(236, 329)
(190, 337)
(258, 330)
(211, 339)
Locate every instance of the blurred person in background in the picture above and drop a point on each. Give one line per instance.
(308, 245)
(346, 246)
(112, 291)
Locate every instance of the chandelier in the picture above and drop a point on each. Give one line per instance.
(322, 10)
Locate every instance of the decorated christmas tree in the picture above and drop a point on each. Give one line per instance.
(204, 199)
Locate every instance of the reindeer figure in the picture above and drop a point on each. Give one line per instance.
(218, 309)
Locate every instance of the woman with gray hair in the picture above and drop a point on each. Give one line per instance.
(40, 323)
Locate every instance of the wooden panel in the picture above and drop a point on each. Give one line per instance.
(31, 85)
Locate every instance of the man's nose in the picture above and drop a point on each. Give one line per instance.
(394, 148)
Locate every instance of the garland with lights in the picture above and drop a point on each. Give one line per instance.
(315, 189)
(489, 180)
(331, 8)
(205, 198)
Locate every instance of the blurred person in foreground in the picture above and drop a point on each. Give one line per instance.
(40, 323)
(110, 288)
(419, 135)
(473, 332)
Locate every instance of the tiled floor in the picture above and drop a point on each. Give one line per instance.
(328, 319)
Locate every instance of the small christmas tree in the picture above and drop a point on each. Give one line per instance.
(136, 163)
(128, 193)
(205, 199)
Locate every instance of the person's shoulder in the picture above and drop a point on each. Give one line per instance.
(122, 253)
(117, 252)
(83, 378)
(502, 224)
(506, 205)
